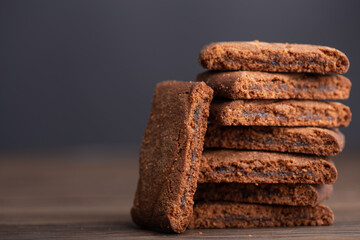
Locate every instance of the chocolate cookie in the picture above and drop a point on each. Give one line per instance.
(265, 167)
(169, 156)
(307, 140)
(278, 194)
(242, 215)
(273, 57)
(302, 113)
(263, 85)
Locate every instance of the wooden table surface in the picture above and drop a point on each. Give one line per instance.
(88, 195)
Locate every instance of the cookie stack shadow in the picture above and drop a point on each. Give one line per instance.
(270, 134)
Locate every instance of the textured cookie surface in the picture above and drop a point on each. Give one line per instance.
(301, 113)
(275, 194)
(169, 156)
(273, 57)
(307, 140)
(263, 85)
(242, 215)
(265, 167)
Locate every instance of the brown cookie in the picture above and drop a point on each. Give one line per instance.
(169, 156)
(301, 113)
(242, 215)
(265, 167)
(273, 57)
(278, 194)
(263, 85)
(307, 140)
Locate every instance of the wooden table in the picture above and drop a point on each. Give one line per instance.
(88, 195)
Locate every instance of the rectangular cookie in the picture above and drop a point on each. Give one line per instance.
(263, 85)
(273, 57)
(275, 194)
(306, 140)
(242, 215)
(265, 167)
(170, 156)
(291, 113)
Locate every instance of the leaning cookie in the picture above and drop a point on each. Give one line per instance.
(265, 167)
(290, 113)
(273, 57)
(169, 156)
(274, 194)
(307, 140)
(242, 215)
(263, 85)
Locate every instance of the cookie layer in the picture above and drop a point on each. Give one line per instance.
(265, 167)
(304, 113)
(273, 57)
(307, 140)
(263, 85)
(242, 215)
(169, 156)
(275, 194)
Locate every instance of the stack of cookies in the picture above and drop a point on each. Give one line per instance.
(270, 134)
(267, 136)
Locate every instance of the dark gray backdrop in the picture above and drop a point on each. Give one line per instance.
(82, 73)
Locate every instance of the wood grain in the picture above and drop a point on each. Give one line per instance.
(88, 195)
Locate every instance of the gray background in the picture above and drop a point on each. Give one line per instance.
(82, 73)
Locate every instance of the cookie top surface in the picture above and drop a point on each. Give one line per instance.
(307, 140)
(265, 167)
(301, 113)
(243, 215)
(263, 85)
(232, 156)
(276, 194)
(169, 156)
(273, 57)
